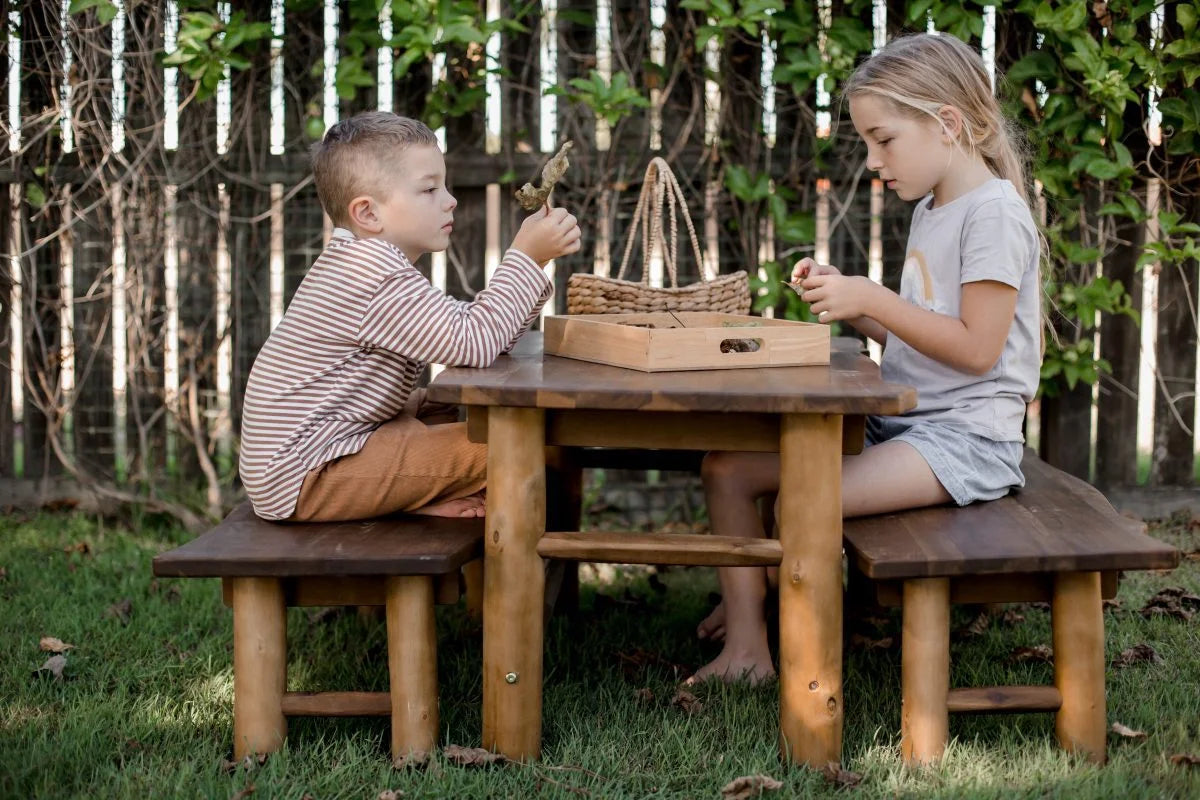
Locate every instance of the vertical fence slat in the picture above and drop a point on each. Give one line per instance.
(7, 431)
(41, 75)
(521, 124)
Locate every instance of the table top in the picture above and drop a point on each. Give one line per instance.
(850, 384)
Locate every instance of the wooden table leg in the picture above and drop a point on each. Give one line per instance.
(412, 666)
(1078, 620)
(810, 589)
(513, 582)
(259, 665)
(925, 670)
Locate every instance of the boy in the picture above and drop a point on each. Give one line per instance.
(332, 426)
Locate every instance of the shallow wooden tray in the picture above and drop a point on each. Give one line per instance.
(672, 341)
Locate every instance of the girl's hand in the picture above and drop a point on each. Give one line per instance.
(834, 297)
(547, 234)
(806, 267)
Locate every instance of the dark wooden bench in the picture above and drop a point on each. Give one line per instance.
(402, 563)
(1056, 540)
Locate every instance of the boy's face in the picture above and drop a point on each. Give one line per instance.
(909, 154)
(416, 211)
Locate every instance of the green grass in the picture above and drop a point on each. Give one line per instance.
(144, 709)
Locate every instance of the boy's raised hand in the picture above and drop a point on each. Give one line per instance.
(547, 234)
(808, 268)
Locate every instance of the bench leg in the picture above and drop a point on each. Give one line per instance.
(925, 670)
(412, 666)
(473, 576)
(1078, 619)
(259, 665)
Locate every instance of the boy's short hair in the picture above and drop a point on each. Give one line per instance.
(353, 156)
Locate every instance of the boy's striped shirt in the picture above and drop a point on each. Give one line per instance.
(350, 349)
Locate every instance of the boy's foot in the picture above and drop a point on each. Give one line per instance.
(712, 627)
(735, 669)
(471, 506)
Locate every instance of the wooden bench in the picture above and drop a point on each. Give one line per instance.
(402, 563)
(1056, 540)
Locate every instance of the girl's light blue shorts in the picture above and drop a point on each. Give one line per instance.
(969, 466)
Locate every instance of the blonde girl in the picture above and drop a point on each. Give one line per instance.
(964, 328)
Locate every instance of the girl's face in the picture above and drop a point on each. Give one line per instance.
(911, 155)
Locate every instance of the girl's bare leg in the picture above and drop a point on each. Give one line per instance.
(886, 477)
(733, 482)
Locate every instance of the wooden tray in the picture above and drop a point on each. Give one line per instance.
(683, 340)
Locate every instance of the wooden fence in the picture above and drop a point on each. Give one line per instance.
(148, 255)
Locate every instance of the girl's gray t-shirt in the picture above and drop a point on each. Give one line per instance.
(987, 234)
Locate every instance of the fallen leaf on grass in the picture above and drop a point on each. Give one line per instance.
(390, 794)
(54, 665)
(1012, 616)
(860, 642)
(643, 695)
(977, 627)
(52, 645)
(1173, 602)
(83, 548)
(687, 702)
(471, 756)
(749, 786)
(841, 778)
(1137, 654)
(1111, 604)
(1127, 733)
(248, 763)
(415, 759)
(1040, 652)
(244, 793)
(122, 610)
(1185, 760)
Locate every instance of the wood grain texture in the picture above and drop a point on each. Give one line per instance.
(850, 384)
(659, 548)
(1004, 699)
(259, 666)
(245, 546)
(412, 665)
(1077, 617)
(925, 670)
(1055, 523)
(337, 704)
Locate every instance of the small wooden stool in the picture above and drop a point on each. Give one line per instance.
(399, 562)
(1056, 540)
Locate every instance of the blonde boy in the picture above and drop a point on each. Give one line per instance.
(333, 426)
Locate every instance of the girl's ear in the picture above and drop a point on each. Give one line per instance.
(362, 213)
(952, 123)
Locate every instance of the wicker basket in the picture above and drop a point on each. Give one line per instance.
(596, 294)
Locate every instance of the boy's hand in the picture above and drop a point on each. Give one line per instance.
(806, 267)
(547, 234)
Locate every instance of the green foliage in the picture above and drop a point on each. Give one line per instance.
(610, 101)
(106, 10)
(207, 47)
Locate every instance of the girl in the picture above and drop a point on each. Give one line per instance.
(964, 329)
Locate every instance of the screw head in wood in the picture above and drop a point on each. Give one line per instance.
(511, 677)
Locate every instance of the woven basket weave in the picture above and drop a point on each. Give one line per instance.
(597, 294)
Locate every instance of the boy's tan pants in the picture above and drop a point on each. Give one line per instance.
(419, 458)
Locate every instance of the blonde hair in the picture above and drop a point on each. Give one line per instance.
(920, 74)
(923, 72)
(355, 154)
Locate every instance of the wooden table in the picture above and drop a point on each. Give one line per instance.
(529, 401)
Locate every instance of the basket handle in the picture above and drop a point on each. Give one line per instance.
(659, 184)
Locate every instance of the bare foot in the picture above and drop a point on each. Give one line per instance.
(470, 506)
(712, 627)
(753, 669)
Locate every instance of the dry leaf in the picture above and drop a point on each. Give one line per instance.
(841, 778)
(52, 645)
(643, 695)
(54, 665)
(1102, 14)
(122, 609)
(1173, 602)
(1137, 654)
(83, 548)
(1185, 760)
(978, 626)
(687, 702)
(749, 786)
(532, 199)
(1128, 733)
(391, 794)
(860, 642)
(248, 763)
(1111, 604)
(244, 793)
(1192, 556)
(471, 756)
(1012, 616)
(1041, 652)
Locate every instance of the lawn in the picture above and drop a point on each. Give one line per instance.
(143, 707)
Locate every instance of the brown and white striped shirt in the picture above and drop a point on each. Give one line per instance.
(348, 353)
